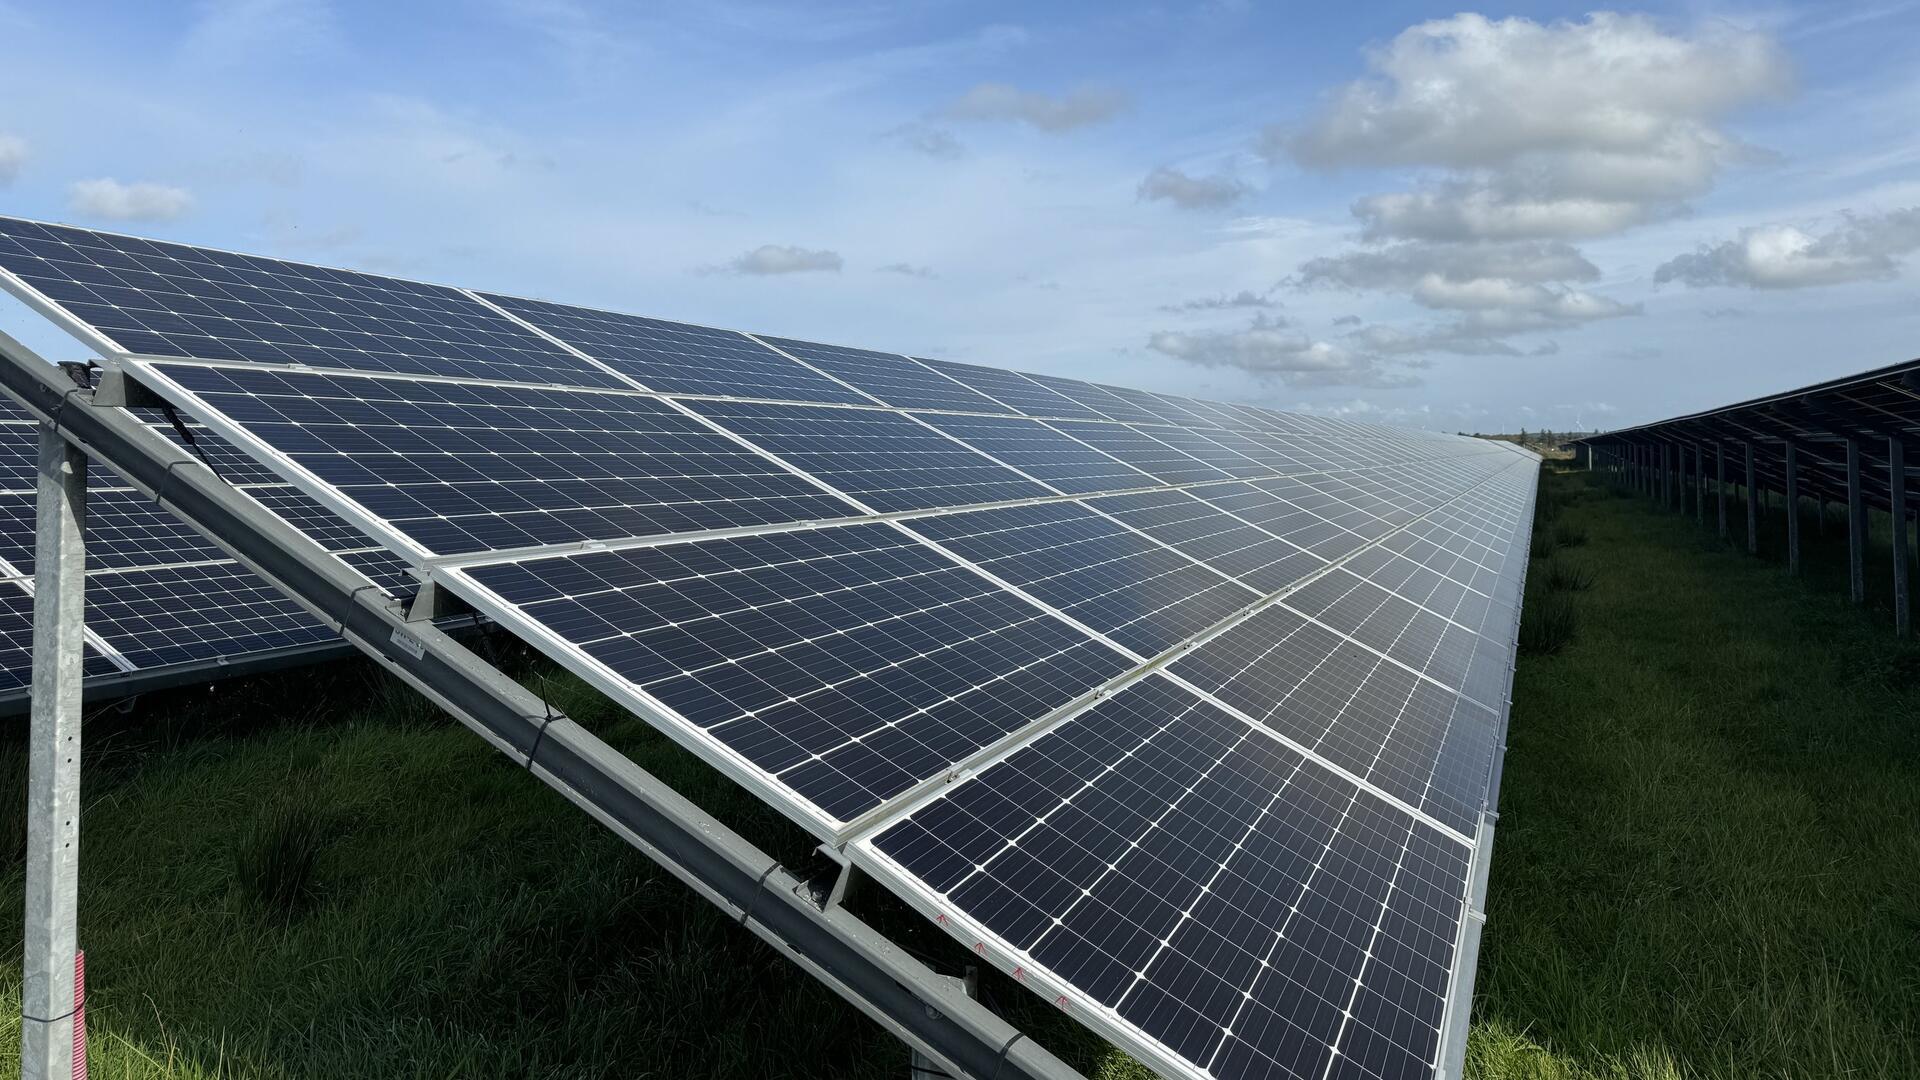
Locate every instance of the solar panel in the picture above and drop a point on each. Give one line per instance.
(1223, 900)
(160, 299)
(678, 358)
(1059, 461)
(1021, 393)
(1184, 712)
(16, 640)
(888, 377)
(842, 665)
(452, 468)
(1142, 451)
(1138, 593)
(886, 460)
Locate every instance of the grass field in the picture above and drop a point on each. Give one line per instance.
(1708, 864)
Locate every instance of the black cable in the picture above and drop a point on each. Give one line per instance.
(186, 436)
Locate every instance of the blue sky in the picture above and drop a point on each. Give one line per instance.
(1531, 216)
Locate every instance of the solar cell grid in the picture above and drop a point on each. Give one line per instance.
(1142, 451)
(1109, 577)
(455, 468)
(1018, 392)
(123, 529)
(846, 664)
(16, 641)
(1097, 398)
(181, 614)
(884, 459)
(1216, 892)
(1060, 462)
(679, 358)
(889, 377)
(1251, 555)
(165, 299)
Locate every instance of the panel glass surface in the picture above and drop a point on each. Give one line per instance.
(1017, 391)
(1109, 577)
(1057, 460)
(884, 459)
(846, 663)
(679, 358)
(1242, 910)
(458, 467)
(165, 299)
(889, 377)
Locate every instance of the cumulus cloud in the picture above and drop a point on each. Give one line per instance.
(782, 259)
(13, 155)
(114, 200)
(908, 270)
(1269, 349)
(1559, 129)
(1863, 247)
(1245, 298)
(1348, 320)
(1078, 108)
(1402, 266)
(1528, 135)
(1192, 192)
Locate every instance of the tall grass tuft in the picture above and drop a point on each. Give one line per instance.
(276, 860)
(1568, 535)
(1547, 625)
(1557, 576)
(1541, 546)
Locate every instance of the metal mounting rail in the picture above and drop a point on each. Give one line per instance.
(918, 1006)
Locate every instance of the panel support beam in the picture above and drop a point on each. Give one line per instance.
(49, 1048)
(1897, 498)
(1793, 510)
(1856, 526)
(1700, 484)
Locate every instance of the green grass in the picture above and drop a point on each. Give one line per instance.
(1708, 856)
(1707, 866)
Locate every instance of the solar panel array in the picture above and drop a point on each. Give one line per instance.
(160, 595)
(1183, 712)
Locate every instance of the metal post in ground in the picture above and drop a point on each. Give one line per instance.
(1720, 484)
(49, 1049)
(1753, 509)
(1897, 494)
(1700, 484)
(1856, 526)
(1793, 510)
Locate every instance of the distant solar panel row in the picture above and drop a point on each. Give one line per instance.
(1184, 710)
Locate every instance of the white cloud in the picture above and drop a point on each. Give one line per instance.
(908, 270)
(935, 142)
(13, 156)
(1270, 349)
(783, 259)
(1865, 247)
(1525, 135)
(1192, 192)
(1079, 107)
(106, 198)
(1245, 298)
(1561, 129)
(1401, 266)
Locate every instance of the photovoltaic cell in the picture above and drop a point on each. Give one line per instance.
(884, 459)
(1099, 399)
(1018, 392)
(171, 300)
(679, 358)
(460, 467)
(1228, 900)
(1057, 460)
(846, 664)
(1251, 555)
(891, 378)
(180, 614)
(16, 641)
(1136, 592)
(1141, 450)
